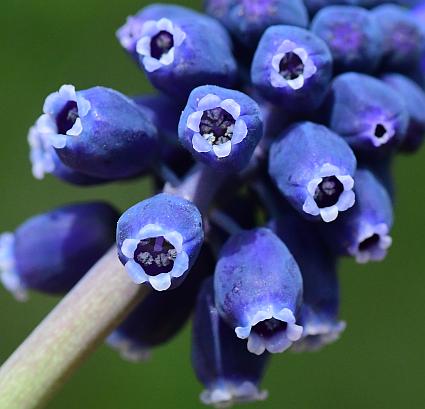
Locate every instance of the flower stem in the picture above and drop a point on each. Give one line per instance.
(68, 335)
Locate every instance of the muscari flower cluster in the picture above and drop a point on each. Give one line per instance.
(280, 109)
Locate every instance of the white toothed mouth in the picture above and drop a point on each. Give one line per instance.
(346, 198)
(294, 80)
(151, 29)
(207, 142)
(161, 281)
(275, 340)
(319, 333)
(224, 394)
(8, 274)
(53, 106)
(372, 244)
(128, 350)
(380, 131)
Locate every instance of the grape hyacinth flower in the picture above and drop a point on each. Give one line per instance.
(52, 251)
(352, 35)
(98, 132)
(247, 20)
(161, 315)
(258, 290)
(176, 50)
(364, 231)
(45, 160)
(159, 240)
(314, 169)
(403, 37)
(132, 31)
(368, 113)
(414, 98)
(319, 314)
(292, 67)
(266, 168)
(221, 127)
(221, 362)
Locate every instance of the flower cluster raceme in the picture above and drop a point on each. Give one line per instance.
(270, 138)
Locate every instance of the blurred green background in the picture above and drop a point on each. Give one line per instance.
(378, 363)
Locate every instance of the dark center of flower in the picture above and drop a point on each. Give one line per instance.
(328, 191)
(268, 328)
(380, 130)
(66, 118)
(291, 66)
(369, 243)
(216, 126)
(161, 44)
(156, 255)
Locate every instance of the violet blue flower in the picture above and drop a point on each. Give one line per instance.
(98, 132)
(221, 127)
(319, 314)
(52, 251)
(247, 20)
(314, 169)
(364, 231)
(352, 35)
(132, 31)
(161, 315)
(292, 67)
(367, 113)
(45, 160)
(258, 290)
(177, 51)
(228, 371)
(159, 240)
(403, 37)
(414, 98)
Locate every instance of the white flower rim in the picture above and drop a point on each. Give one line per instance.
(345, 201)
(277, 343)
(128, 349)
(276, 78)
(53, 105)
(226, 393)
(240, 130)
(389, 132)
(160, 282)
(379, 251)
(319, 333)
(150, 29)
(8, 274)
(41, 150)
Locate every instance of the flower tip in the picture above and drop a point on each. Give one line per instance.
(9, 276)
(228, 393)
(128, 350)
(317, 335)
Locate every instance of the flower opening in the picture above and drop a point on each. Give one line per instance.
(158, 43)
(329, 193)
(217, 125)
(291, 66)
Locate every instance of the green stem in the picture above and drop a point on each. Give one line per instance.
(68, 335)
